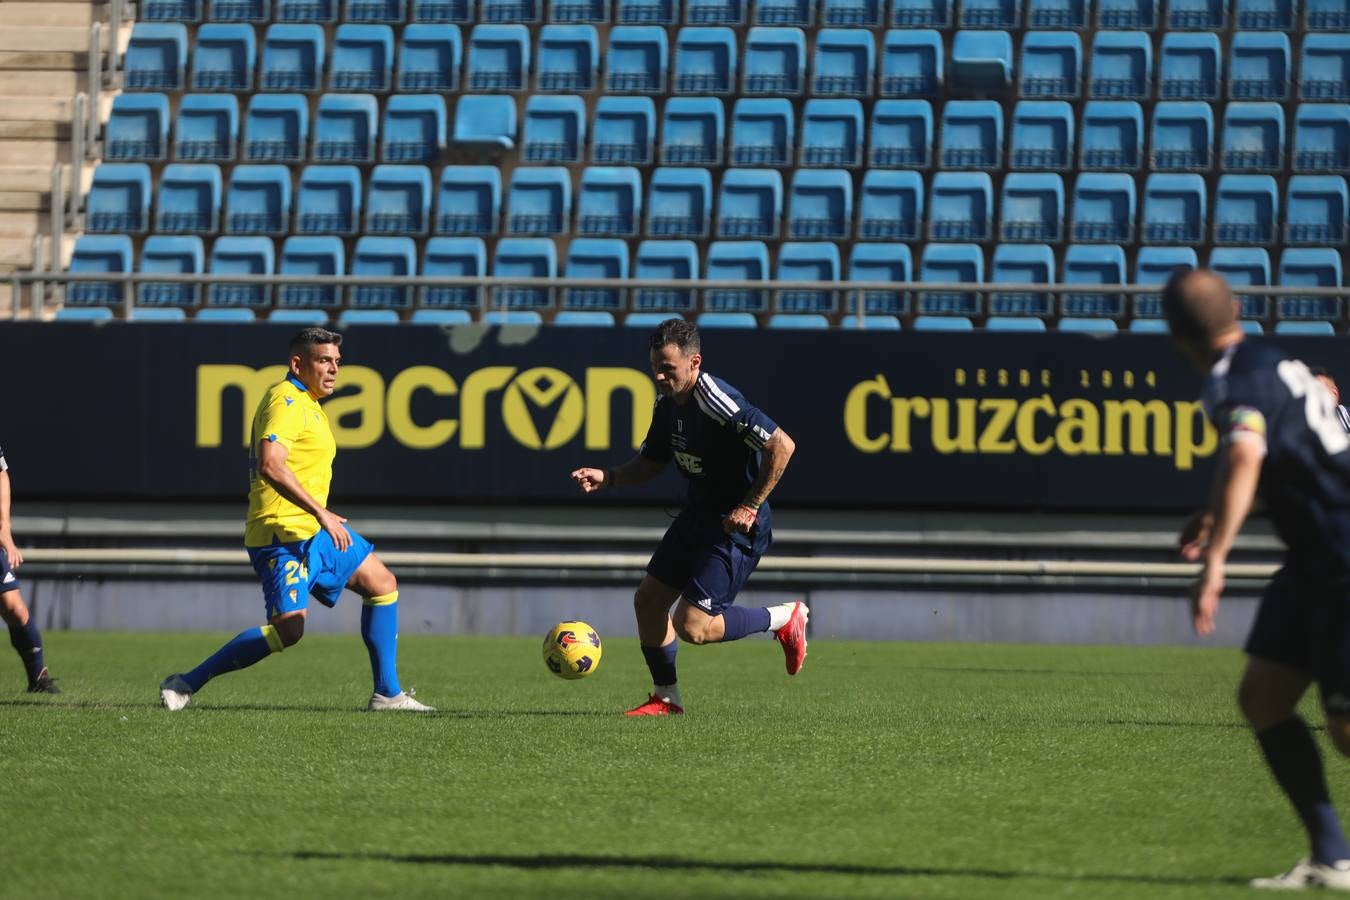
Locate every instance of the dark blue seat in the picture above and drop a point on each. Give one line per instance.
(814, 261)
(328, 200)
(961, 206)
(189, 199)
(306, 257)
(398, 200)
(880, 264)
(1042, 135)
(1032, 207)
(539, 200)
(1253, 137)
(1322, 138)
(276, 128)
(901, 134)
(258, 200)
(223, 56)
(636, 59)
(624, 130)
(469, 200)
(679, 203)
(96, 254)
(414, 128)
(156, 57)
(820, 204)
(832, 133)
(693, 130)
(1111, 136)
(568, 59)
(344, 128)
(1182, 136)
(383, 256)
(453, 257)
(240, 255)
(775, 62)
(595, 258)
(609, 202)
(1022, 264)
(137, 129)
(762, 132)
(1246, 209)
(950, 264)
(171, 255)
(207, 128)
(750, 203)
(524, 258)
(705, 61)
(554, 129)
(736, 261)
(292, 58)
(429, 58)
(890, 206)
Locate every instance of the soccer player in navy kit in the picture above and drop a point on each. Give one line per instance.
(1280, 436)
(733, 455)
(23, 629)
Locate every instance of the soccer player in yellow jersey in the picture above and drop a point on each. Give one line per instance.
(297, 545)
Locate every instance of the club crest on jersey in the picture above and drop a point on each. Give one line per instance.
(688, 462)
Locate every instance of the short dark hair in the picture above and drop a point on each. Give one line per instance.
(1320, 372)
(312, 337)
(680, 332)
(1198, 305)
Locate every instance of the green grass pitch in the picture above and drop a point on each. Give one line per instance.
(882, 770)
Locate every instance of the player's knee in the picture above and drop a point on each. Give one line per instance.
(691, 630)
(1259, 706)
(290, 630)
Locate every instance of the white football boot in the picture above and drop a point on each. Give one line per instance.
(175, 693)
(1309, 874)
(402, 700)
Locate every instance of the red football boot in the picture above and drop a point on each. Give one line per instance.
(793, 638)
(655, 706)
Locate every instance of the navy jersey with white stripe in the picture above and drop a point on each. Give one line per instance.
(715, 440)
(1256, 393)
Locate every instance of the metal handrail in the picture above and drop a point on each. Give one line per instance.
(78, 155)
(95, 80)
(57, 223)
(114, 67)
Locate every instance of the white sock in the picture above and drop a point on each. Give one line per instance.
(668, 692)
(779, 615)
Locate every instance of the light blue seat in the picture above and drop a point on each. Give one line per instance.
(625, 130)
(189, 199)
(119, 199)
(1042, 135)
(1112, 135)
(990, 14)
(1327, 15)
(162, 253)
(832, 133)
(376, 12)
(1149, 326)
(298, 317)
(1022, 264)
(705, 61)
(844, 64)
(646, 12)
(429, 58)
(1203, 15)
(726, 320)
(156, 57)
(345, 126)
(98, 253)
(982, 61)
(241, 255)
(1245, 267)
(440, 317)
(292, 57)
(1032, 207)
(539, 200)
(258, 200)
(820, 204)
(170, 11)
(693, 130)
(1259, 66)
(1253, 137)
(961, 206)
(878, 264)
(1087, 325)
(736, 261)
(1014, 323)
(414, 128)
(814, 261)
(452, 257)
(921, 13)
(595, 258)
(554, 130)
(584, 318)
(1121, 66)
(309, 256)
(1117, 14)
(800, 13)
(1245, 210)
(1057, 14)
(1265, 15)
(468, 200)
(1311, 267)
(442, 11)
(568, 59)
(323, 11)
(891, 206)
(1155, 265)
(645, 319)
(1175, 210)
(276, 128)
(1052, 65)
(363, 58)
(1322, 138)
(524, 258)
(398, 200)
(485, 123)
(715, 12)
(762, 132)
(636, 59)
(137, 129)
(383, 256)
(912, 62)
(224, 314)
(942, 323)
(972, 135)
(950, 264)
(526, 11)
(1325, 67)
(750, 203)
(207, 129)
(1315, 210)
(663, 260)
(594, 12)
(874, 323)
(1093, 265)
(852, 13)
(328, 200)
(1189, 67)
(609, 202)
(1306, 329)
(799, 322)
(499, 57)
(1104, 207)
(84, 314)
(349, 317)
(679, 203)
(901, 134)
(1182, 136)
(223, 57)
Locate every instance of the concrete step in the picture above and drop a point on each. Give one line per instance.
(46, 14)
(33, 153)
(21, 224)
(30, 179)
(42, 84)
(35, 131)
(25, 201)
(35, 109)
(48, 39)
(16, 251)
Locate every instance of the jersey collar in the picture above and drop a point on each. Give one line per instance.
(299, 385)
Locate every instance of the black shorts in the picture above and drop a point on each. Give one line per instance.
(703, 561)
(1304, 623)
(9, 579)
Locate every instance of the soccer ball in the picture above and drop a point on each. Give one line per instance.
(572, 650)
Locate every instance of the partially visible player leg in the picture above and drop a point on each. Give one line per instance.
(656, 635)
(379, 629)
(26, 640)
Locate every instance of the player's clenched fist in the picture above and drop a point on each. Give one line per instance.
(591, 480)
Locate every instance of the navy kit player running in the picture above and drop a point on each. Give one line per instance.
(23, 629)
(733, 455)
(1281, 437)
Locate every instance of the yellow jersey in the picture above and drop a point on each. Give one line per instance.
(289, 416)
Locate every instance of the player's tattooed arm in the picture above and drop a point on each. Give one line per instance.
(1230, 501)
(638, 470)
(778, 449)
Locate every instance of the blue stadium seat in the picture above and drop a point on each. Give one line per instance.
(307, 257)
(852, 13)
(800, 13)
(595, 258)
(1253, 137)
(726, 320)
(1013, 323)
(878, 264)
(715, 12)
(1325, 67)
(646, 12)
(321, 11)
(1318, 267)
(1246, 208)
(1322, 137)
(1182, 136)
(173, 255)
(554, 130)
(258, 200)
(664, 260)
(1155, 265)
(679, 203)
(1149, 326)
(982, 61)
(1265, 15)
(137, 129)
(344, 128)
(381, 256)
(762, 132)
(750, 203)
(485, 122)
(1057, 14)
(1174, 210)
(921, 13)
(469, 200)
(832, 133)
(807, 321)
(577, 12)
(1052, 65)
(1259, 66)
(1032, 208)
(1189, 67)
(84, 314)
(1117, 14)
(568, 59)
(1112, 135)
(1093, 265)
(1315, 210)
(98, 253)
(693, 130)
(609, 202)
(775, 62)
(239, 255)
(820, 204)
(574, 318)
(912, 62)
(499, 58)
(844, 64)
(1244, 267)
(902, 134)
(1122, 66)
(1091, 325)
(1309, 329)
(539, 201)
(413, 128)
(452, 257)
(292, 58)
(376, 12)
(170, 11)
(814, 261)
(972, 135)
(943, 323)
(1327, 15)
(961, 206)
(224, 314)
(363, 58)
(1103, 208)
(349, 317)
(189, 199)
(152, 313)
(1022, 264)
(705, 61)
(512, 11)
(636, 60)
(155, 58)
(524, 258)
(440, 317)
(223, 57)
(518, 317)
(990, 14)
(950, 264)
(276, 128)
(1201, 15)
(398, 200)
(207, 128)
(890, 206)
(298, 317)
(429, 58)
(736, 261)
(328, 200)
(1042, 135)
(625, 130)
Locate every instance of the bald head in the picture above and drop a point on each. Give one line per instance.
(1200, 308)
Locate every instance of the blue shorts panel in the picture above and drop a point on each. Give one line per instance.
(9, 579)
(291, 572)
(1304, 623)
(702, 561)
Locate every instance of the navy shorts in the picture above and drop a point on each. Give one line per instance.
(1304, 623)
(9, 581)
(703, 561)
(290, 573)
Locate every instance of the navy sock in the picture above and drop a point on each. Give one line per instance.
(661, 662)
(379, 629)
(1293, 758)
(738, 621)
(243, 650)
(27, 642)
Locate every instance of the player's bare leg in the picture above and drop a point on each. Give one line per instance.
(787, 622)
(656, 634)
(379, 629)
(27, 642)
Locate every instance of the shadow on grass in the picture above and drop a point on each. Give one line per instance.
(200, 709)
(570, 861)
